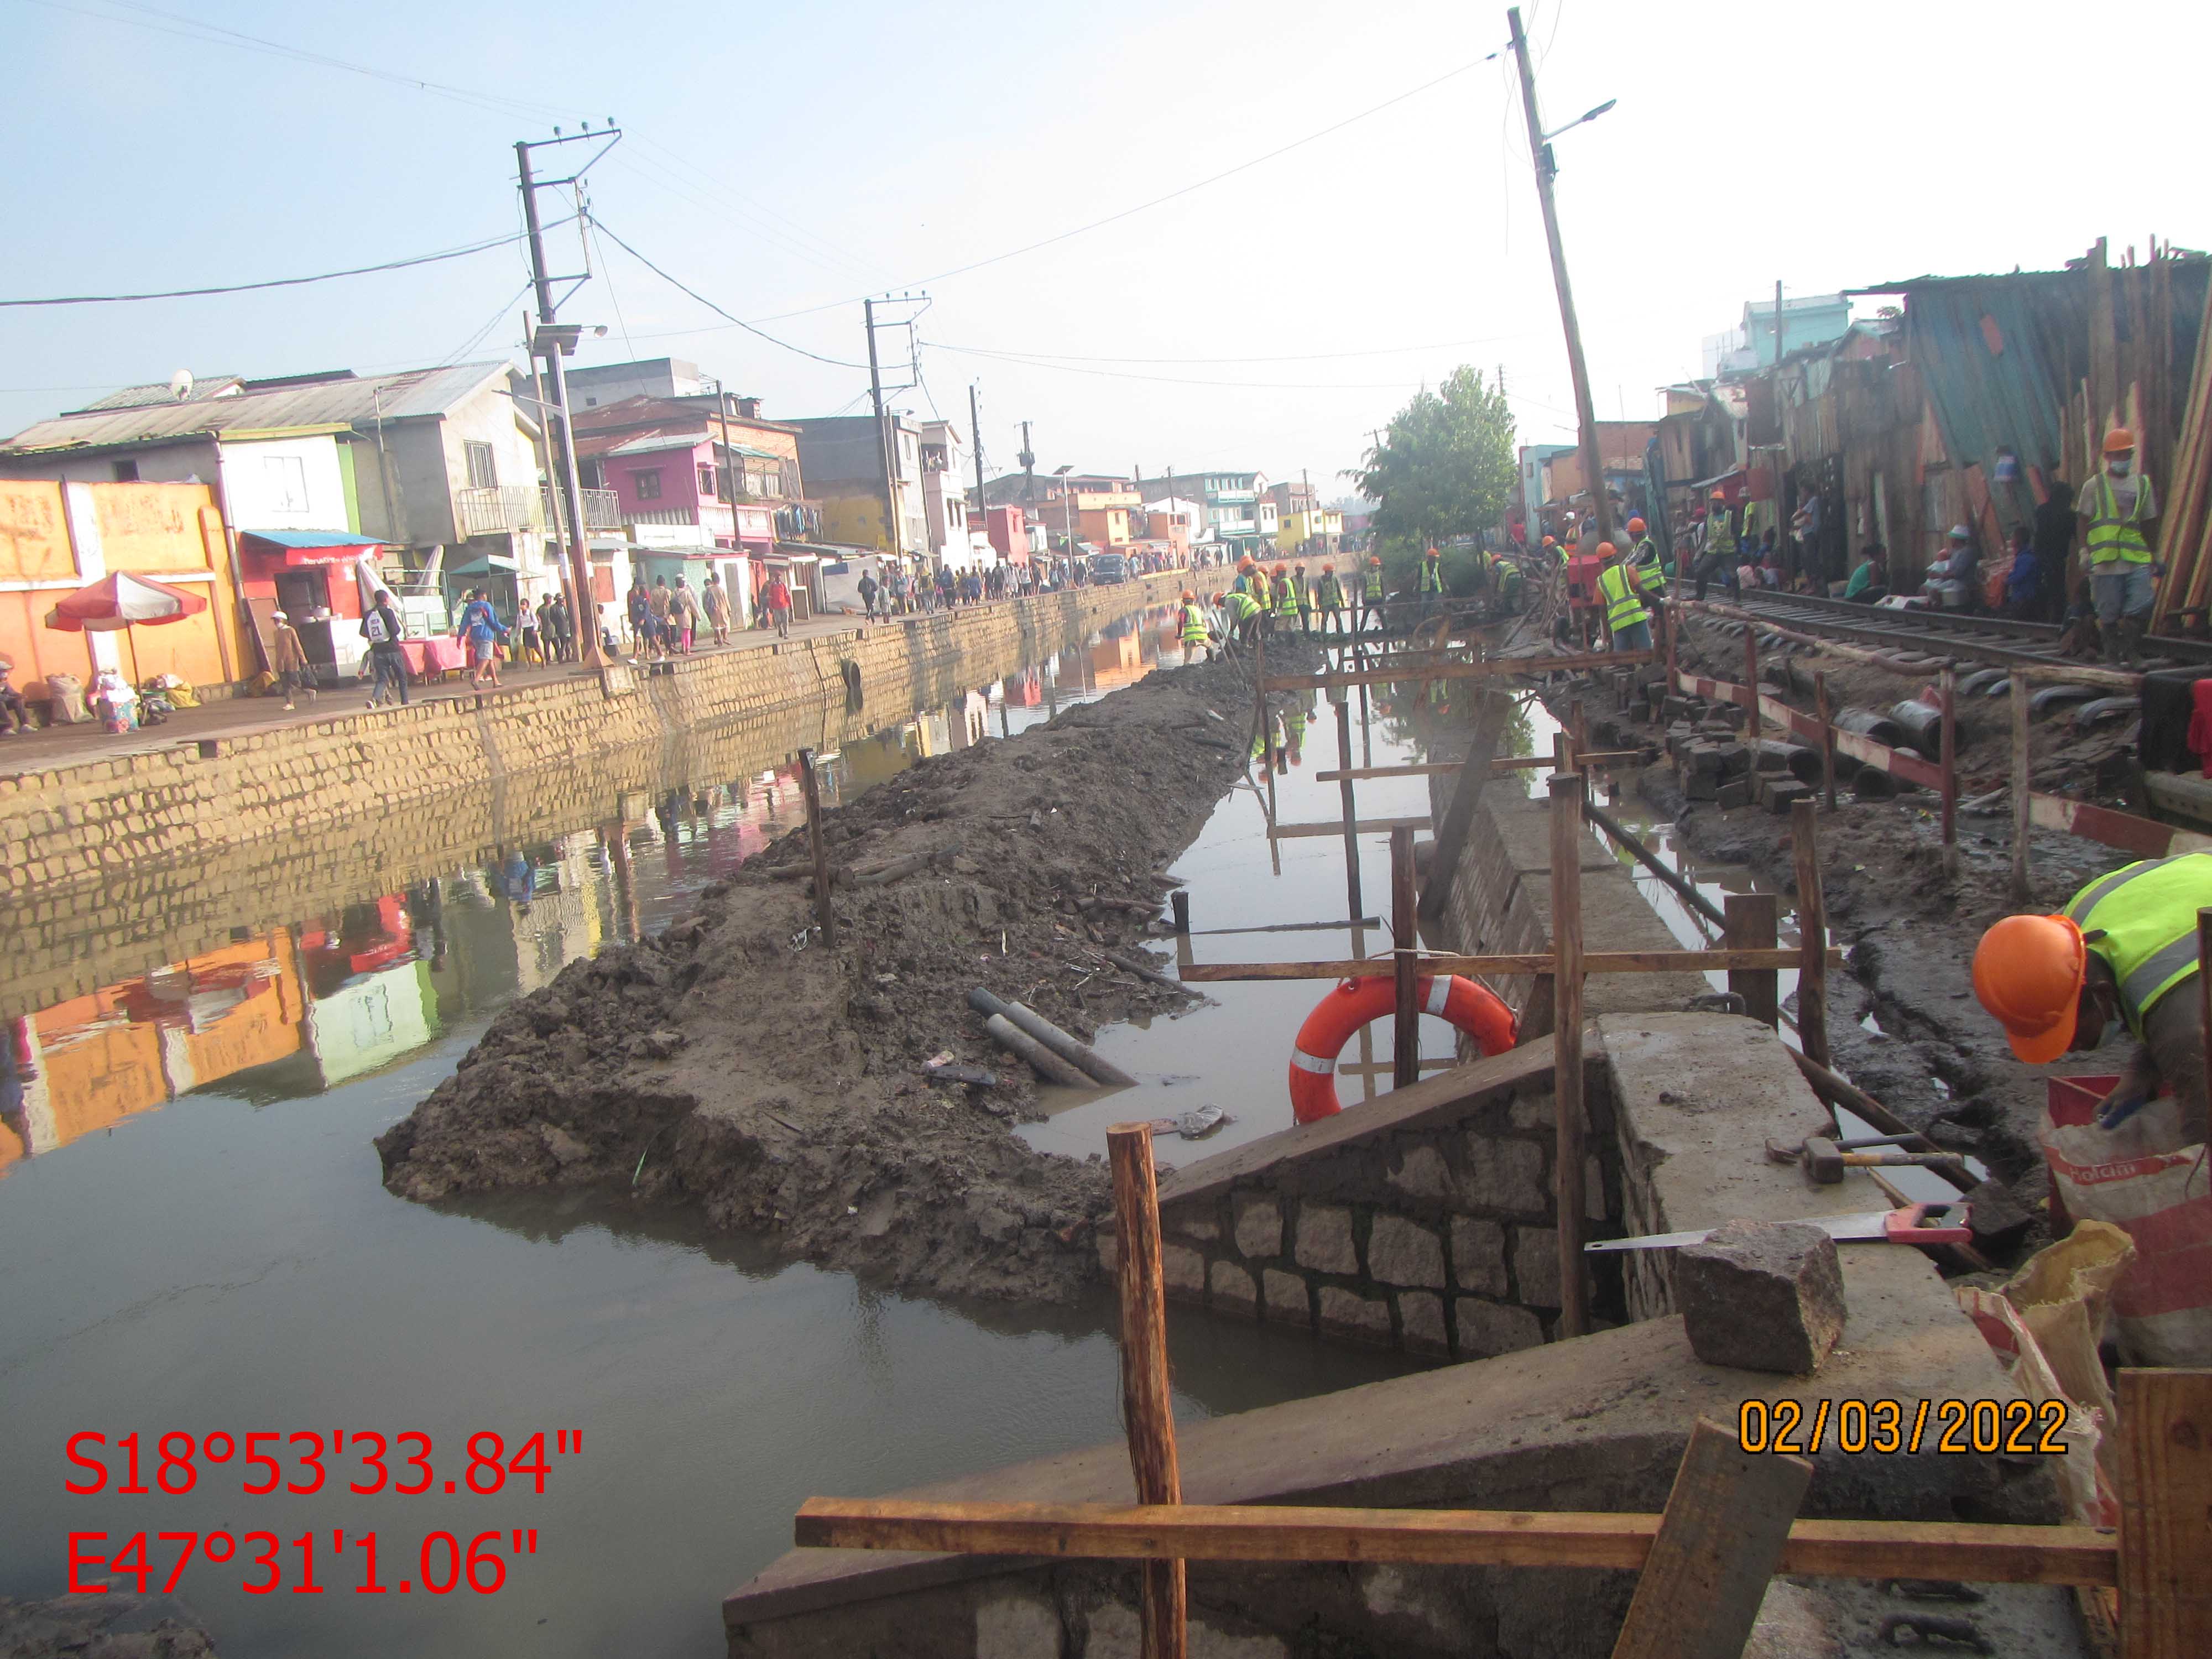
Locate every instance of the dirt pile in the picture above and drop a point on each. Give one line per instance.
(735, 1063)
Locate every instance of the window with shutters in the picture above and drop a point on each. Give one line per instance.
(483, 464)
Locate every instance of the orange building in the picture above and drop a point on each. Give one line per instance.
(56, 537)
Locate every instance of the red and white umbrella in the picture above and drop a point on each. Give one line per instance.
(123, 600)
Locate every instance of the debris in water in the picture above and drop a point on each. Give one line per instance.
(1194, 1124)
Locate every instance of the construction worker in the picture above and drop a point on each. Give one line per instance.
(1622, 595)
(1329, 598)
(1371, 595)
(1428, 580)
(1243, 612)
(2122, 951)
(2118, 509)
(1304, 592)
(1244, 583)
(1287, 599)
(1720, 542)
(1643, 552)
(1196, 631)
(1505, 583)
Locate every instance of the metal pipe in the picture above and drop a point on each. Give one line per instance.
(1077, 1053)
(1650, 860)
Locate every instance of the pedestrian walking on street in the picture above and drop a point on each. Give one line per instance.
(718, 606)
(683, 614)
(564, 628)
(775, 598)
(388, 663)
(479, 627)
(289, 659)
(868, 592)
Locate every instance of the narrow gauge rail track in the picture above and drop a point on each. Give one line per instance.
(1948, 633)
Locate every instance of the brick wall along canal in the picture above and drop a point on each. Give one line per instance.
(196, 1239)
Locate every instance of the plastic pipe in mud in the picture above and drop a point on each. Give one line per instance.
(1081, 1056)
(1045, 1063)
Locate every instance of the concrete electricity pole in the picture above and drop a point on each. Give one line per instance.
(552, 341)
(1541, 153)
(975, 437)
(883, 440)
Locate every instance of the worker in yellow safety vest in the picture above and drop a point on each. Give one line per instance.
(1329, 598)
(1371, 594)
(1243, 612)
(1196, 630)
(2117, 509)
(1428, 582)
(1622, 595)
(2118, 954)
(1303, 589)
(1286, 598)
(1720, 542)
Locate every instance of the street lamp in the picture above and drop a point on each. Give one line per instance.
(1591, 115)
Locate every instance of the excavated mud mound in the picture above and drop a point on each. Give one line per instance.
(735, 1063)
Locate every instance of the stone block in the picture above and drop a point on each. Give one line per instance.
(1358, 1318)
(1736, 791)
(1479, 1254)
(1762, 1296)
(1233, 1290)
(1419, 1171)
(1504, 1175)
(1325, 1239)
(1183, 1269)
(1421, 1321)
(1259, 1224)
(1778, 795)
(1536, 1264)
(1696, 786)
(1198, 1222)
(1399, 1252)
(1288, 1302)
(1017, 1627)
(1489, 1328)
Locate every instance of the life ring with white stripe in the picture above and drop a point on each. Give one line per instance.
(1472, 1007)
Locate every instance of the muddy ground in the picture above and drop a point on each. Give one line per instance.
(110, 1627)
(1932, 1055)
(736, 1065)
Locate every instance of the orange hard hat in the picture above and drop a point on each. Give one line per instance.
(1636, 526)
(1245, 563)
(1720, 495)
(1432, 553)
(2028, 973)
(1374, 558)
(1329, 567)
(2119, 439)
(1606, 549)
(1188, 598)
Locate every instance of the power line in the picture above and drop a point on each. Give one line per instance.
(1288, 357)
(835, 362)
(274, 282)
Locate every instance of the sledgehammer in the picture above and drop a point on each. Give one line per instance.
(1825, 1158)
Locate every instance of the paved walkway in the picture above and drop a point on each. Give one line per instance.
(43, 751)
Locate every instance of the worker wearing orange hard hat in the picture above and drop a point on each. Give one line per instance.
(1370, 594)
(2118, 509)
(2116, 954)
(1622, 595)
(1195, 631)
(1720, 551)
(1329, 598)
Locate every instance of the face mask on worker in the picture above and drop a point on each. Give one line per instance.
(2118, 466)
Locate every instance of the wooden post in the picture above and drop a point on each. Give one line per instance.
(1753, 923)
(1674, 627)
(1946, 685)
(1405, 1025)
(823, 914)
(2165, 1479)
(2022, 787)
(1812, 934)
(1821, 712)
(1147, 1403)
(1751, 728)
(1569, 792)
(1350, 816)
(1578, 729)
(1720, 1541)
(1179, 901)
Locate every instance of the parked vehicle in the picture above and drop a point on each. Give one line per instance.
(1108, 568)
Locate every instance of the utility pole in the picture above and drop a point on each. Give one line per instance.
(1027, 458)
(975, 437)
(552, 343)
(884, 442)
(729, 459)
(1585, 413)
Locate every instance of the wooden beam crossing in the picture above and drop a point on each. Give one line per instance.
(1363, 827)
(1488, 668)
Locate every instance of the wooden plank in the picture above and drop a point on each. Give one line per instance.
(2023, 787)
(1968, 1552)
(1406, 1013)
(1346, 771)
(1147, 1404)
(1387, 1068)
(1570, 792)
(1720, 1542)
(2165, 1479)
(1363, 827)
(2146, 838)
(826, 915)
(1732, 959)
(1459, 814)
(1827, 739)
(1489, 668)
(1345, 774)
(1812, 934)
(1753, 923)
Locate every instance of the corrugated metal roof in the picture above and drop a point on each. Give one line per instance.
(136, 397)
(418, 392)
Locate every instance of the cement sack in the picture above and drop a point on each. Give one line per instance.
(65, 694)
(2161, 1309)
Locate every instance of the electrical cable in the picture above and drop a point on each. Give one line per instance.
(613, 298)
(274, 282)
(835, 362)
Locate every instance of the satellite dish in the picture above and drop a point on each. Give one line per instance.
(181, 385)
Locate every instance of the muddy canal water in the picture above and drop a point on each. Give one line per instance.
(193, 1237)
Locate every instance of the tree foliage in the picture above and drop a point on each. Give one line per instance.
(1445, 466)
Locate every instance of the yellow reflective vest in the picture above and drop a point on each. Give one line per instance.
(1431, 576)
(2141, 920)
(1194, 628)
(1287, 595)
(2114, 535)
(1623, 596)
(1375, 581)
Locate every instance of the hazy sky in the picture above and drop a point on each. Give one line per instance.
(784, 161)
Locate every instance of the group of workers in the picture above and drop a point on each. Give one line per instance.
(1285, 598)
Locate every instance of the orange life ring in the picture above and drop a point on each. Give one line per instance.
(1472, 1007)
